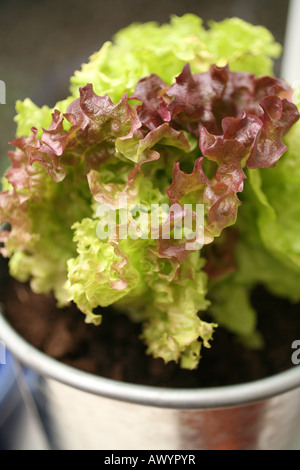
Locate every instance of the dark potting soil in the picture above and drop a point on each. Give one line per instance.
(114, 349)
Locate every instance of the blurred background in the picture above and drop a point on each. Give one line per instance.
(42, 42)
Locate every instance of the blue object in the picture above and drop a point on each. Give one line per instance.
(17, 414)
(7, 378)
(11, 402)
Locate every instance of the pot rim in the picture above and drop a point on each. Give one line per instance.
(179, 398)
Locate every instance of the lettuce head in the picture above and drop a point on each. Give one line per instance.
(159, 184)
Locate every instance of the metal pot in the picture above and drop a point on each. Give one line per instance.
(81, 411)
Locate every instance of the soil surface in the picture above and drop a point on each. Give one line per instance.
(115, 350)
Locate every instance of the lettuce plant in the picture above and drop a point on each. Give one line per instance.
(175, 116)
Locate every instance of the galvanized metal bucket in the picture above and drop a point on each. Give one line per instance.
(80, 411)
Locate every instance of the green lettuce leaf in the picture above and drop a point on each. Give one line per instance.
(276, 200)
(119, 64)
(267, 251)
